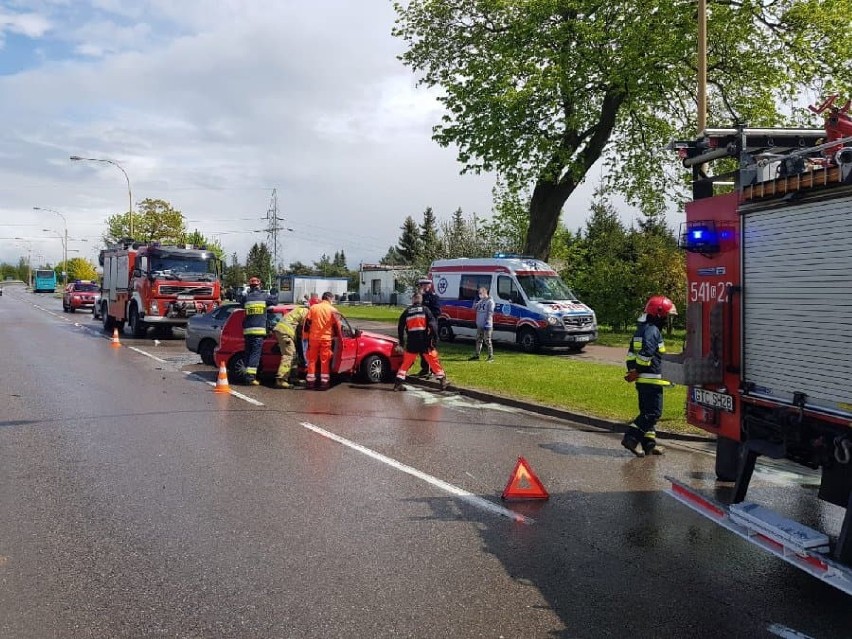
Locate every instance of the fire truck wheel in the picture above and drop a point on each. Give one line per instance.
(109, 323)
(728, 454)
(137, 327)
(528, 340)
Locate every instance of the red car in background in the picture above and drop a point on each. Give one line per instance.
(373, 356)
(79, 294)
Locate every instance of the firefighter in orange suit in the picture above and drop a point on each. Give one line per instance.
(323, 325)
(418, 332)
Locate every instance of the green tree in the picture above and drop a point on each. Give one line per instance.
(539, 90)
(604, 267)
(392, 257)
(298, 268)
(429, 235)
(324, 266)
(79, 268)
(154, 221)
(507, 228)
(196, 238)
(259, 264)
(409, 246)
(235, 274)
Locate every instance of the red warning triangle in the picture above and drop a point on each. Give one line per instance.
(523, 483)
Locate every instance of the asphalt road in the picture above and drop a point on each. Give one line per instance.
(135, 502)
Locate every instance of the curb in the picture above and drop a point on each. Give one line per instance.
(559, 413)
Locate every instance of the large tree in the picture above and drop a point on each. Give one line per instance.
(153, 221)
(539, 90)
(259, 264)
(410, 246)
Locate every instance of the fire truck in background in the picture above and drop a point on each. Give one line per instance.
(149, 285)
(768, 353)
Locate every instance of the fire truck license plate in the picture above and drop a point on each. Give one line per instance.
(712, 399)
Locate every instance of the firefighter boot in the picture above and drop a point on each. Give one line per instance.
(632, 445)
(443, 382)
(653, 448)
(399, 386)
(280, 382)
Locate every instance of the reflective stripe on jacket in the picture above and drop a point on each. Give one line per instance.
(254, 320)
(290, 322)
(417, 329)
(645, 354)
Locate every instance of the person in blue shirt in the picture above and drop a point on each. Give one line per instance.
(644, 366)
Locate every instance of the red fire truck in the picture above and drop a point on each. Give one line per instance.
(768, 354)
(149, 285)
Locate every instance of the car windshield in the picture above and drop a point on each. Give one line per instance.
(86, 288)
(181, 268)
(545, 288)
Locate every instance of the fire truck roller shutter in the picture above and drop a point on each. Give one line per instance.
(797, 300)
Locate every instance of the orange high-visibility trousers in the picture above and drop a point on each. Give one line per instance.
(408, 360)
(319, 348)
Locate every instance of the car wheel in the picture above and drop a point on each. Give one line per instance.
(445, 332)
(375, 369)
(576, 348)
(528, 340)
(137, 327)
(205, 349)
(237, 368)
(71, 309)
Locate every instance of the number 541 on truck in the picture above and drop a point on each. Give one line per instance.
(768, 354)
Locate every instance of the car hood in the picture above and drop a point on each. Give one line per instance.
(379, 336)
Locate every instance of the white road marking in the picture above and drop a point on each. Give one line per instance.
(470, 498)
(141, 352)
(787, 633)
(245, 398)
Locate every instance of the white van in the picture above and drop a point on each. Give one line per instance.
(533, 306)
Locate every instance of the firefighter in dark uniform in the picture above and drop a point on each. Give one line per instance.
(644, 366)
(254, 302)
(418, 333)
(430, 301)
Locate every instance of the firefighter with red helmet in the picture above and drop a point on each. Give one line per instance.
(644, 366)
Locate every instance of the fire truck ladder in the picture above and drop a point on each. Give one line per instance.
(798, 545)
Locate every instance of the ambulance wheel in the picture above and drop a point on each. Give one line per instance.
(528, 340)
(728, 454)
(445, 332)
(375, 369)
(237, 366)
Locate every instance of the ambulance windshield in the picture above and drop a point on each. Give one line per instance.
(545, 288)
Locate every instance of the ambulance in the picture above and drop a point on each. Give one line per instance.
(533, 306)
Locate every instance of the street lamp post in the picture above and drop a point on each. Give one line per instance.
(64, 243)
(77, 158)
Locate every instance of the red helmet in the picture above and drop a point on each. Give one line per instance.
(254, 281)
(660, 306)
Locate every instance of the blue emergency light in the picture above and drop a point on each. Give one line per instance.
(700, 237)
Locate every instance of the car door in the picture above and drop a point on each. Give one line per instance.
(213, 328)
(345, 348)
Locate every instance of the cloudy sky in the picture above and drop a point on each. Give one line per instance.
(210, 105)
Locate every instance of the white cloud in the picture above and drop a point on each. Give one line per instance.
(211, 105)
(31, 25)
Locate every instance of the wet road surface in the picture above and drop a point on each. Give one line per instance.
(136, 502)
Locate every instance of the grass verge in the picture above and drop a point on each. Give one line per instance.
(579, 386)
(373, 313)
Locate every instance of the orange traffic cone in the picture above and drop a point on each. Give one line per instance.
(115, 343)
(222, 385)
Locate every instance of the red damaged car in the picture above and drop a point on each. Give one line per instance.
(372, 356)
